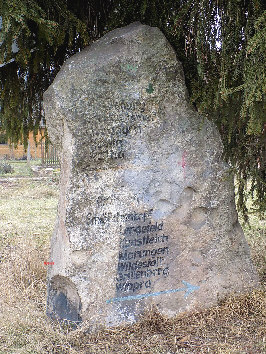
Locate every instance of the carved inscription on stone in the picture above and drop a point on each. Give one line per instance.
(117, 217)
(143, 254)
(107, 138)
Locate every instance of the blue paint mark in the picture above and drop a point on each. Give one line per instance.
(131, 68)
(189, 289)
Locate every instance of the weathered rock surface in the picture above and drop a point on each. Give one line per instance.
(146, 213)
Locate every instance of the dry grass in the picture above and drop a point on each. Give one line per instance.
(27, 213)
(235, 326)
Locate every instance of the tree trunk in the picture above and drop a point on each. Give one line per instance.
(28, 153)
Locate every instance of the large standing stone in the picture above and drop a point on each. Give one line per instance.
(146, 212)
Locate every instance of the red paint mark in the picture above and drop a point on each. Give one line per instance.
(183, 163)
(48, 263)
(184, 160)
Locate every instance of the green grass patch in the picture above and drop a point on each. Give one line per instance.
(20, 169)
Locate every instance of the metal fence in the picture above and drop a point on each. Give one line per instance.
(49, 154)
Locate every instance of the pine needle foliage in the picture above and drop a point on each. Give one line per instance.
(221, 44)
(46, 33)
